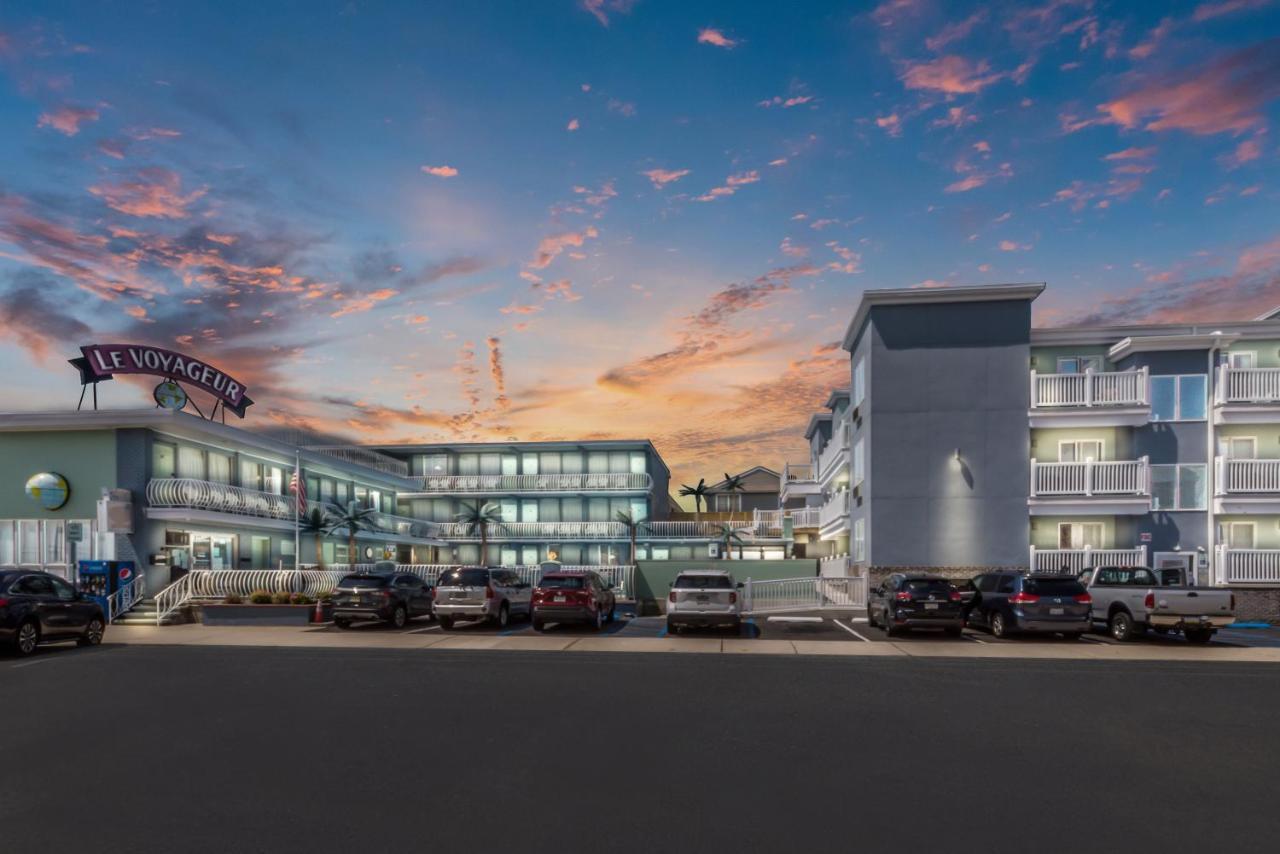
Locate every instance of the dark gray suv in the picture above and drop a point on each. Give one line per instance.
(1006, 602)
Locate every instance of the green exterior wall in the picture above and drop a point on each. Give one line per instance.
(1266, 529)
(1044, 360)
(1267, 436)
(1268, 352)
(86, 458)
(654, 578)
(1115, 441)
(1044, 531)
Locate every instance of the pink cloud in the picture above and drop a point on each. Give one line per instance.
(67, 119)
(440, 171)
(601, 9)
(622, 108)
(955, 31)
(573, 125)
(781, 161)
(1131, 154)
(1208, 11)
(155, 192)
(792, 249)
(730, 186)
(712, 36)
(552, 246)
(661, 177)
(952, 75)
(890, 124)
(363, 302)
(1247, 151)
(1010, 246)
(785, 103)
(850, 261)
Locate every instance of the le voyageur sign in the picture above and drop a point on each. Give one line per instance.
(101, 361)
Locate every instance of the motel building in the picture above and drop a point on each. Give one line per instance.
(967, 440)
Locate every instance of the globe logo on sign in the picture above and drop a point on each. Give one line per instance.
(49, 490)
(170, 395)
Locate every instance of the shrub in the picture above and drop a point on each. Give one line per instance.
(325, 596)
(300, 599)
(233, 599)
(280, 598)
(260, 597)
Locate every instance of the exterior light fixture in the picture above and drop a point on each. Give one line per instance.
(957, 455)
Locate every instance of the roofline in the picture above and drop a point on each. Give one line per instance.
(1049, 335)
(1149, 343)
(836, 394)
(814, 420)
(422, 447)
(746, 472)
(926, 296)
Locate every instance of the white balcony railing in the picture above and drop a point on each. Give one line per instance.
(835, 513)
(1247, 566)
(514, 484)
(1246, 477)
(1247, 385)
(797, 471)
(836, 453)
(808, 517)
(1089, 478)
(1071, 561)
(611, 531)
(366, 457)
(1089, 389)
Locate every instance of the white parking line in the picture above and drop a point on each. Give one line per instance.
(419, 631)
(974, 638)
(29, 663)
(852, 632)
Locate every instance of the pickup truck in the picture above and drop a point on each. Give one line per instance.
(1129, 599)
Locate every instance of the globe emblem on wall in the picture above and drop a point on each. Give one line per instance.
(49, 490)
(170, 395)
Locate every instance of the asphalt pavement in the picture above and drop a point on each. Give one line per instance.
(134, 748)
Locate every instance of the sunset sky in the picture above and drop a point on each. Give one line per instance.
(608, 218)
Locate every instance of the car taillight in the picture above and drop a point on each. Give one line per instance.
(386, 594)
(1023, 599)
(671, 597)
(1084, 599)
(4, 602)
(903, 596)
(1233, 603)
(733, 597)
(488, 593)
(1150, 601)
(955, 596)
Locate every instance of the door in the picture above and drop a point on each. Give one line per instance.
(50, 612)
(1079, 450)
(261, 552)
(1241, 448)
(1080, 535)
(75, 611)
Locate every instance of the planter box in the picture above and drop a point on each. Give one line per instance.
(256, 615)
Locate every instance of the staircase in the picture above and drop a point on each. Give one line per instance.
(144, 614)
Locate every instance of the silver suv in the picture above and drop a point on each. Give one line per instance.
(705, 597)
(471, 593)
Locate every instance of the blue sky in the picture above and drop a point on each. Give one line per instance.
(607, 218)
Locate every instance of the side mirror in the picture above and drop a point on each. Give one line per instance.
(740, 585)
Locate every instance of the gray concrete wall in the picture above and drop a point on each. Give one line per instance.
(945, 378)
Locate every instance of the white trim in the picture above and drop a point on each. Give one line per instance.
(933, 296)
(1253, 359)
(1253, 534)
(1160, 343)
(1102, 450)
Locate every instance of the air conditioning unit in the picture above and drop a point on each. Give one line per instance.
(713, 550)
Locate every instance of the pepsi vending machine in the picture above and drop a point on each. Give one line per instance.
(101, 578)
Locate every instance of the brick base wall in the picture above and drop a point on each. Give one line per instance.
(1257, 603)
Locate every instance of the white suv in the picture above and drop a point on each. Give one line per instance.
(472, 593)
(704, 597)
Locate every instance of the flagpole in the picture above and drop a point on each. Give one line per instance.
(297, 494)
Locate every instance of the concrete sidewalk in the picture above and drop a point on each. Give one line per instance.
(432, 637)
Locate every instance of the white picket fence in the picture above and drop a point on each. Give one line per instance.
(804, 594)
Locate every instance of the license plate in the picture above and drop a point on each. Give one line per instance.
(457, 594)
(931, 606)
(557, 599)
(702, 600)
(1057, 612)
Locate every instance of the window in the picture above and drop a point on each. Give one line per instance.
(219, 467)
(1179, 398)
(1178, 487)
(1079, 450)
(529, 510)
(53, 542)
(1078, 364)
(1080, 535)
(163, 460)
(859, 461)
(510, 510)
(190, 462)
(28, 542)
(597, 462)
(1241, 535)
(1240, 447)
(859, 539)
(619, 462)
(639, 465)
(987, 583)
(528, 463)
(1004, 583)
(1242, 360)
(859, 389)
(63, 590)
(6, 543)
(727, 502)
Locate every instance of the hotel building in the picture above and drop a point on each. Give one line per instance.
(967, 439)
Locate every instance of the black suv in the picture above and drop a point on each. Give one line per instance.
(914, 600)
(394, 597)
(36, 607)
(1006, 602)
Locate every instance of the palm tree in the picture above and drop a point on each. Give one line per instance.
(634, 526)
(354, 519)
(733, 483)
(699, 494)
(731, 536)
(478, 518)
(314, 523)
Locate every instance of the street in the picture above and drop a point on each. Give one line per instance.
(215, 749)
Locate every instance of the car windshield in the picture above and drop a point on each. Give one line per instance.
(923, 587)
(562, 582)
(364, 581)
(464, 578)
(704, 582)
(1052, 587)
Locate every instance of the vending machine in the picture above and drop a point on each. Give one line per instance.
(101, 578)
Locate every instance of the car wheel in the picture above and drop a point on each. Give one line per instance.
(538, 625)
(1197, 636)
(92, 633)
(399, 617)
(871, 618)
(612, 609)
(890, 630)
(955, 631)
(504, 616)
(27, 638)
(342, 624)
(446, 623)
(998, 628)
(597, 620)
(673, 628)
(1121, 626)
(1073, 636)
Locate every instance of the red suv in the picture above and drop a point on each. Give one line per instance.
(572, 597)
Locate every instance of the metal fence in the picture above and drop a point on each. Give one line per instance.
(804, 594)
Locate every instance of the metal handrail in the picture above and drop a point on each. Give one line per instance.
(126, 597)
(804, 594)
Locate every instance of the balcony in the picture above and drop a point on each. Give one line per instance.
(797, 482)
(769, 522)
(1102, 399)
(187, 499)
(1246, 486)
(532, 484)
(1246, 395)
(833, 517)
(1073, 561)
(834, 458)
(1247, 566)
(807, 517)
(595, 531)
(366, 457)
(1103, 488)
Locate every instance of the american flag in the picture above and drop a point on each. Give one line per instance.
(299, 488)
